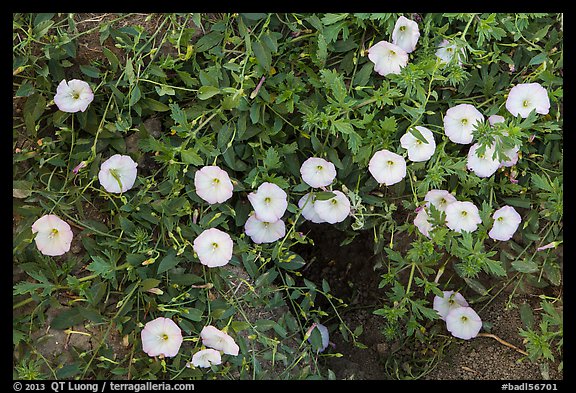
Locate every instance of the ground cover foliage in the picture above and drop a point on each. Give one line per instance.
(257, 95)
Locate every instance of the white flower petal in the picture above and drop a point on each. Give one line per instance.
(421, 222)
(213, 247)
(462, 216)
(387, 58)
(449, 301)
(73, 96)
(214, 338)
(206, 358)
(506, 222)
(118, 173)
(53, 235)
(264, 232)
(269, 202)
(317, 172)
(308, 211)
(483, 166)
(417, 150)
(525, 97)
(387, 167)
(446, 52)
(405, 34)
(463, 322)
(213, 184)
(333, 210)
(439, 198)
(460, 121)
(161, 337)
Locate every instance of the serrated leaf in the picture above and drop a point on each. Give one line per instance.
(272, 159)
(101, 267)
(189, 156)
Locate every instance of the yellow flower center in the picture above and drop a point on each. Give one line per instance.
(267, 200)
(215, 181)
(390, 162)
(464, 213)
(402, 28)
(164, 337)
(463, 318)
(464, 121)
(525, 103)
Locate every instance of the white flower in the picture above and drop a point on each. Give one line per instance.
(387, 167)
(421, 222)
(493, 119)
(387, 58)
(506, 221)
(217, 339)
(460, 121)
(264, 232)
(418, 150)
(317, 172)
(405, 34)
(213, 247)
(439, 198)
(73, 96)
(512, 153)
(213, 184)
(448, 302)
(525, 97)
(53, 235)
(463, 322)
(118, 173)
(206, 358)
(462, 216)
(269, 202)
(161, 337)
(483, 165)
(333, 210)
(308, 210)
(446, 51)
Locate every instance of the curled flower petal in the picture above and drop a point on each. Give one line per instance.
(439, 198)
(387, 58)
(306, 203)
(422, 223)
(215, 338)
(118, 173)
(214, 247)
(213, 184)
(405, 34)
(161, 337)
(206, 358)
(53, 235)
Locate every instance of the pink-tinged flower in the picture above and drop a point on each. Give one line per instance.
(387, 167)
(462, 216)
(460, 121)
(73, 96)
(53, 235)
(161, 337)
(213, 184)
(493, 119)
(548, 246)
(446, 52)
(417, 150)
(439, 198)
(463, 322)
(213, 247)
(118, 173)
(387, 58)
(269, 202)
(421, 222)
(405, 34)
(317, 172)
(506, 221)
(206, 358)
(78, 167)
(306, 203)
(333, 210)
(448, 302)
(264, 232)
(526, 97)
(512, 154)
(483, 165)
(217, 339)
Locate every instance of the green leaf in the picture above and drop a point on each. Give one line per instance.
(263, 55)
(33, 108)
(168, 262)
(90, 71)
(526, 265)
(112, 58)
(329, 19)
(205, 92)
(154, 105)
(189, 156)
(66, 319)
(272, 159)
(538, 59)
(134, 96)
(324, 195)
(208, 41)
(101, 267)
(149, 283)
(418, 135)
